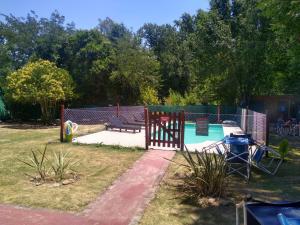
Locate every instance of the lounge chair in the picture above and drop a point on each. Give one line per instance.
(130, 121)
(269, 165)
(116, 122)
(139, 117)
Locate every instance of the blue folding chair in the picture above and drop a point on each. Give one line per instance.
(269, 165)
(237, 156)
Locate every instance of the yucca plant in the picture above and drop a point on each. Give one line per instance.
(38, 161)
(62, 164)
(207, 175)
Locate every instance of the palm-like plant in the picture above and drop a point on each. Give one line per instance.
(62, 164)
(208, 177)
(38, 162)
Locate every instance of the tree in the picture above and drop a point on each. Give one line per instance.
(135, 69)
(88, 56)
(112, 30)
(284, 54)
(222, 7)
(173, 53)
(40, 82)
(149, 96)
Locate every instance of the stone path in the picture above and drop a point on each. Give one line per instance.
(122, 204)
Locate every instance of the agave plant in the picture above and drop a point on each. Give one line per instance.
(207, 177)
(38, 161)
(62, 164)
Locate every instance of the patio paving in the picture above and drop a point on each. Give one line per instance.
(130, 139)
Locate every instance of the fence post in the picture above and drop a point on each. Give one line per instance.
(246, 120)
(146, 117)
(62, 112)
(182, 130)
(118, 109)
(267, 129)
(219, 111)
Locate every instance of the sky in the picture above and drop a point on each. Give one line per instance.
(85, 13)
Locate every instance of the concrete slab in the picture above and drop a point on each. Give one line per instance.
(129, 139)
(126, 139)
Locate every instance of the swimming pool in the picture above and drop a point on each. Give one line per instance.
(215, 133)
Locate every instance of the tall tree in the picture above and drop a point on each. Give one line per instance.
(284, 56)
(222, 8)
(87, 55)
(135, 70)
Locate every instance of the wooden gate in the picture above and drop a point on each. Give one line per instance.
(164, 129)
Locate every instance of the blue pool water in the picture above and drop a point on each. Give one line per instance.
(215, 133)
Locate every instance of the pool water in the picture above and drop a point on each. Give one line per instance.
(215, 133)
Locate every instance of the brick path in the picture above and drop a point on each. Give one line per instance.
(122, 204)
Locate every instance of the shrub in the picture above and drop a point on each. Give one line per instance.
(40, 82)
(149, 96)
(62, 164)
(174, 98)
(283, 148)
(37, 161)
(56, 168)
(207, 175)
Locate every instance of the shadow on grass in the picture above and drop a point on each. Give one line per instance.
(26, 126)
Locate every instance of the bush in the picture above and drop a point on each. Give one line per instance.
(174, 98)
(149, 96)
(56, 168)
(37, 161)
(40, 82)
(206, 175)
(283, 148)
(62, 164)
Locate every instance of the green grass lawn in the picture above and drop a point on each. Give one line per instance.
(171, 207)
(99, 167)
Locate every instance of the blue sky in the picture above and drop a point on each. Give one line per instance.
(85, 13)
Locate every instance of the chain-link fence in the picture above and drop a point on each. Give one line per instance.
(254, 123)
(91, 120)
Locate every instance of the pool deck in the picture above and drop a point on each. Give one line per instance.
(130, 139)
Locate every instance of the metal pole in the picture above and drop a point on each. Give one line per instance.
(62, 112)
(246, 120)
(182, 131)
(118, 109)
(146, 117)
(219, 110)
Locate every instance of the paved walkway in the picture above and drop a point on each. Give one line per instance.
(125, 201)
(122, 204)
(11, 215)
